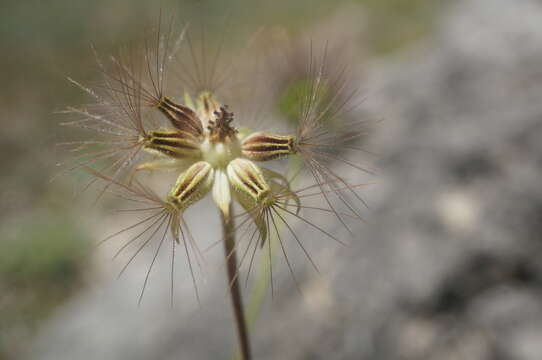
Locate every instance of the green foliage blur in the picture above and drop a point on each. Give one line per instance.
(41, 265)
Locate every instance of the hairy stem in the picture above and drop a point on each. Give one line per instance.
(235, 291)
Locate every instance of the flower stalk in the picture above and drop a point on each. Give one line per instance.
(228, 229)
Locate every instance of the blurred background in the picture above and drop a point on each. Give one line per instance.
(447, 265)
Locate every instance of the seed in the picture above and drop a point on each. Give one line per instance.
(173, 143)
(247, 178)
(192, 185)
(263, 146)
(181, 117)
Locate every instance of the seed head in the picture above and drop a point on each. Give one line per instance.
(198, 137)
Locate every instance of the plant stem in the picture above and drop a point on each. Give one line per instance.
(234, 289)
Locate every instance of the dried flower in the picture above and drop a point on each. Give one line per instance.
(199, 139)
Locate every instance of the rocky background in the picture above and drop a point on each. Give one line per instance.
(447, 266)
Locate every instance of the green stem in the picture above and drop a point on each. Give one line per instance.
(234, 289)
